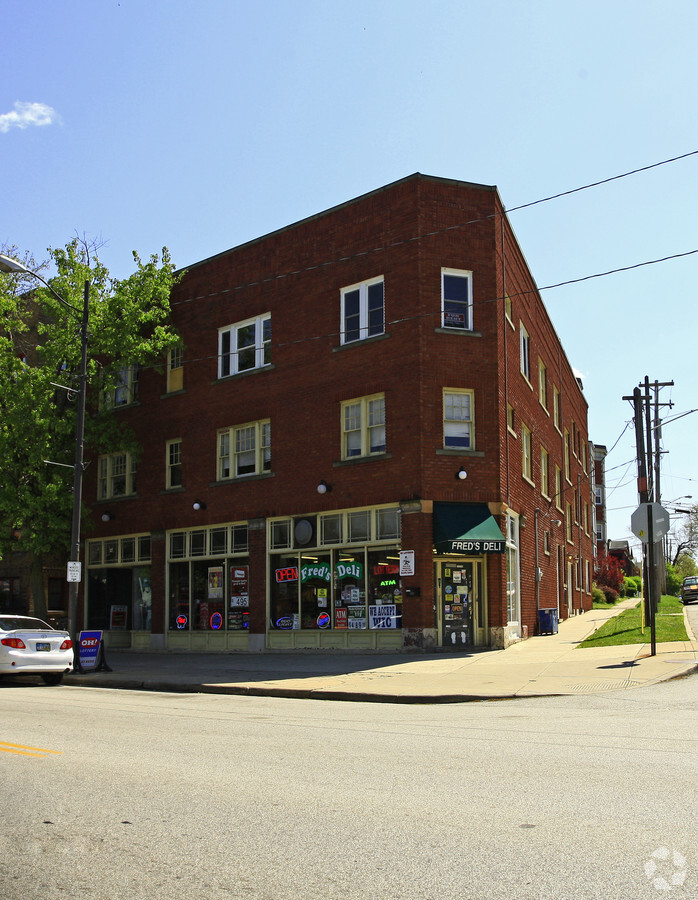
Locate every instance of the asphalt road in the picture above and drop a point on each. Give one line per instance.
(137, 795)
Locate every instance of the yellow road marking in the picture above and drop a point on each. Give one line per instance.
(5, 747)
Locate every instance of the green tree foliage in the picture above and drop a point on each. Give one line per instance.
(40, 347)
(673, 581)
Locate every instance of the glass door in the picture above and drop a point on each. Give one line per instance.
(460, 604)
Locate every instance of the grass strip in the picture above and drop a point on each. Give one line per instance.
(626, 628)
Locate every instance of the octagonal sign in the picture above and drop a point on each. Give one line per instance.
(640, 520)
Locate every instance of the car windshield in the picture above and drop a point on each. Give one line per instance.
(22, 623)
(687, 581)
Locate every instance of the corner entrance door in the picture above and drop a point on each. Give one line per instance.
(458, 586)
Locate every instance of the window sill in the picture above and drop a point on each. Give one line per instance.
(355, 460)
(172, 393)
(241, 479)
(180, 489)
(464, 331)
(361, 342)
(225, 378)
(447, 451)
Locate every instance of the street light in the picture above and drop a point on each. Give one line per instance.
(7, 264)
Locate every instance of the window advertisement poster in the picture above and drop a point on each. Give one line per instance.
(239, 586)
(88, 649)
(215, 583)
(118, 616)
(384, 616)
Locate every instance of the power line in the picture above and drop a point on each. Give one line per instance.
(271, 278)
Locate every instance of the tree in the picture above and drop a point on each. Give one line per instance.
(40, 348)
(608, 570)
(687, 537)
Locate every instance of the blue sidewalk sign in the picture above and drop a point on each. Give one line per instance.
(89, 643)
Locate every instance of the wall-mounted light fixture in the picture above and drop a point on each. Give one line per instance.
(107, 516)
(461, 474)
(198, 504)
(323, 487)
(557, 522)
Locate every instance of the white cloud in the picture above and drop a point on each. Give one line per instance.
(26, 114)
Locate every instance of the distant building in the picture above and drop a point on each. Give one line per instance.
(371, 438)
(598, 493)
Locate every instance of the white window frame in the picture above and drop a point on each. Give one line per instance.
(365, 319)
(543, 384)
(526, 453)
(124, 392)
(458, 419)
(230, 352)
(460, 307)
(513, 572)
(175, 369)
(362, 426)
(544, 473)
(113, 469)
(525, 352)
(173, 462)
(246, 446)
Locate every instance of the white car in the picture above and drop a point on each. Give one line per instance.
(29, 646)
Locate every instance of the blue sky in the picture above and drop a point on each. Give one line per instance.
(144, 123)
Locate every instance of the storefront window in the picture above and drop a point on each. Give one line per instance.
(343, 590)
(198, 592)
(316, 580)
(285, 581)
(385, 592)
(350, 601)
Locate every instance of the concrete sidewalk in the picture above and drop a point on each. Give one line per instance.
(547, 665)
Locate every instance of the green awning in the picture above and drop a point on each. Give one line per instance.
(466, 528)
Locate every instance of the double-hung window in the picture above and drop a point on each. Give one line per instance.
(459, 426)
(116, 476)
(525, 352)
(526, 462)
(123, 389)
(363, 310)
(244, 450)
(174, 464)
(363, 426)
(244, 346)
(457, 299)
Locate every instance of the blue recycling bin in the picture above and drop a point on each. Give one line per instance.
(547, 621)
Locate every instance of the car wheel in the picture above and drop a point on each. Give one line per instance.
(52, 678)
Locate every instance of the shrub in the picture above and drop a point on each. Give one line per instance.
(610, 596)
(597, 595)
(633, 585)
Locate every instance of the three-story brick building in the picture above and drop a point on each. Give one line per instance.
(370, 438)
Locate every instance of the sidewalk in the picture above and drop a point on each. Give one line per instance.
(547, 665)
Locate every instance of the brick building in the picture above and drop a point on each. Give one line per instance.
(371, 438)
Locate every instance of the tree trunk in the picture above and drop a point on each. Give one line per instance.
(36, 583)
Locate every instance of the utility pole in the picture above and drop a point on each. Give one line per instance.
(648, 486)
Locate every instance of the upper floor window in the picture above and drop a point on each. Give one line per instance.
(244, 450)
(556, 408)
(542, 384)
(175, 369)
(363, 310)
(363, 426)
(525, 353)
(244, 346)
(116, 476)
(457, 299)
(174, 464)
(124, 390)
(459, 430)
(526, 461)
(544, 473)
